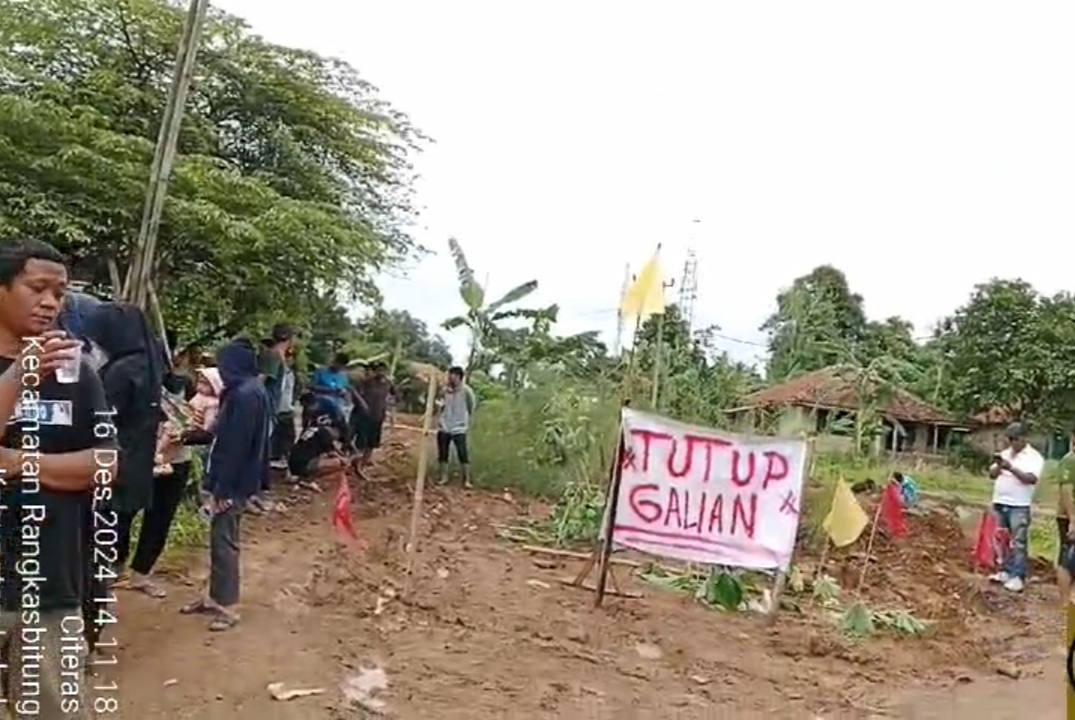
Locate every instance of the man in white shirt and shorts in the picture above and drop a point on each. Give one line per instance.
(1016, 471)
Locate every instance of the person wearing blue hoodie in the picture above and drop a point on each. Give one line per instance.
(233, 475)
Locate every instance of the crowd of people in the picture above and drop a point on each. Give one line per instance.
(102, 427)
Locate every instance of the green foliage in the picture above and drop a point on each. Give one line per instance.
(1007, 348)
(553, 433)
(697, 382)
(817, 319)
(724, 590)
(292, 181)
(859, 621)
(482, 320)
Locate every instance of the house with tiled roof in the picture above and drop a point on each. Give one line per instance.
(823, 400)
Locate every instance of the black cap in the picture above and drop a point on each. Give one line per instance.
(282, 332)
(1016, 430)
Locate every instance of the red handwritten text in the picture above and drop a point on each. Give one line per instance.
(745, 466)
(709, 513)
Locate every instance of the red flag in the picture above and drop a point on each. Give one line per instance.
(985, 547)
(892, 511)
(341, 512)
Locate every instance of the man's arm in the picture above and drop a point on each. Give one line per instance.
(74, 471)
(10, 387)
(1028, 471)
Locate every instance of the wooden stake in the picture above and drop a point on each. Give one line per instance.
(420, 479)
(869, 548)
(612, 500)
(824, 558)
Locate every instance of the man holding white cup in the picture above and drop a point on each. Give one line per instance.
(54, 447)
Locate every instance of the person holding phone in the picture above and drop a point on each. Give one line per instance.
(1015, 470)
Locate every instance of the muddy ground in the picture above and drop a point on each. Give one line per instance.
(486, 630)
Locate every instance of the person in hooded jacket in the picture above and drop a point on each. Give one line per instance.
(233, 475)
(133, 377)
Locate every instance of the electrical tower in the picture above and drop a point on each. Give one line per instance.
(688, 290)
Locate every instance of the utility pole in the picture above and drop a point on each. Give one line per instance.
(655, 390)
(688, 290)
(136, 288)
(619, 309)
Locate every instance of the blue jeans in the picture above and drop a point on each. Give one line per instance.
(1016, 520)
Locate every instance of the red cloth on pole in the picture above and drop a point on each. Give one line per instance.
(892, 511)
(341, 512)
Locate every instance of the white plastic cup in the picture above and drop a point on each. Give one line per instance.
(68, 372)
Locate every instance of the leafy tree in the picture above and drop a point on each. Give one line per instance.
(816, 320)
(483, 320)
(698, 382)
(1009, 348)
(292, 182)
(400, 334)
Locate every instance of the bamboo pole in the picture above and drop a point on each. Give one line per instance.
(158, 316)
(869, 547)
(140, 271)
(420, 479)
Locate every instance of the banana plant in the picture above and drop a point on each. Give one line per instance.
(479, 318)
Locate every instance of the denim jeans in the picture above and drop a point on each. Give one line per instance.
(1016, 520)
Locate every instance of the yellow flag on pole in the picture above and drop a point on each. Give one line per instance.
(645, 296)
(846, 519)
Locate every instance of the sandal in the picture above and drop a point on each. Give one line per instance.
(198, 607)
(148, 587)
(223, 621)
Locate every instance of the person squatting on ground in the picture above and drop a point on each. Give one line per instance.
(1015, 470)
(232, 476)
(1065, 513)
(56, 444)
(318, 454)
(371, 407)
(457, 403)
(133, 378)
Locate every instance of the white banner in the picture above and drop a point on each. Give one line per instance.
(707, 496)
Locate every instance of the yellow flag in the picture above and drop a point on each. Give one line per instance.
(645, 296)
(846, 519)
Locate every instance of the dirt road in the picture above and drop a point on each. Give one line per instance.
(488, 632)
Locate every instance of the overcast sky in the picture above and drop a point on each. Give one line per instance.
(921, 147)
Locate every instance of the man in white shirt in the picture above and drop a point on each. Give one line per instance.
(1015, 470)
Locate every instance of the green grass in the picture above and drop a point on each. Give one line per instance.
(553, 440)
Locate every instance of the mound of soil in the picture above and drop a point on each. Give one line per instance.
(929, 574)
